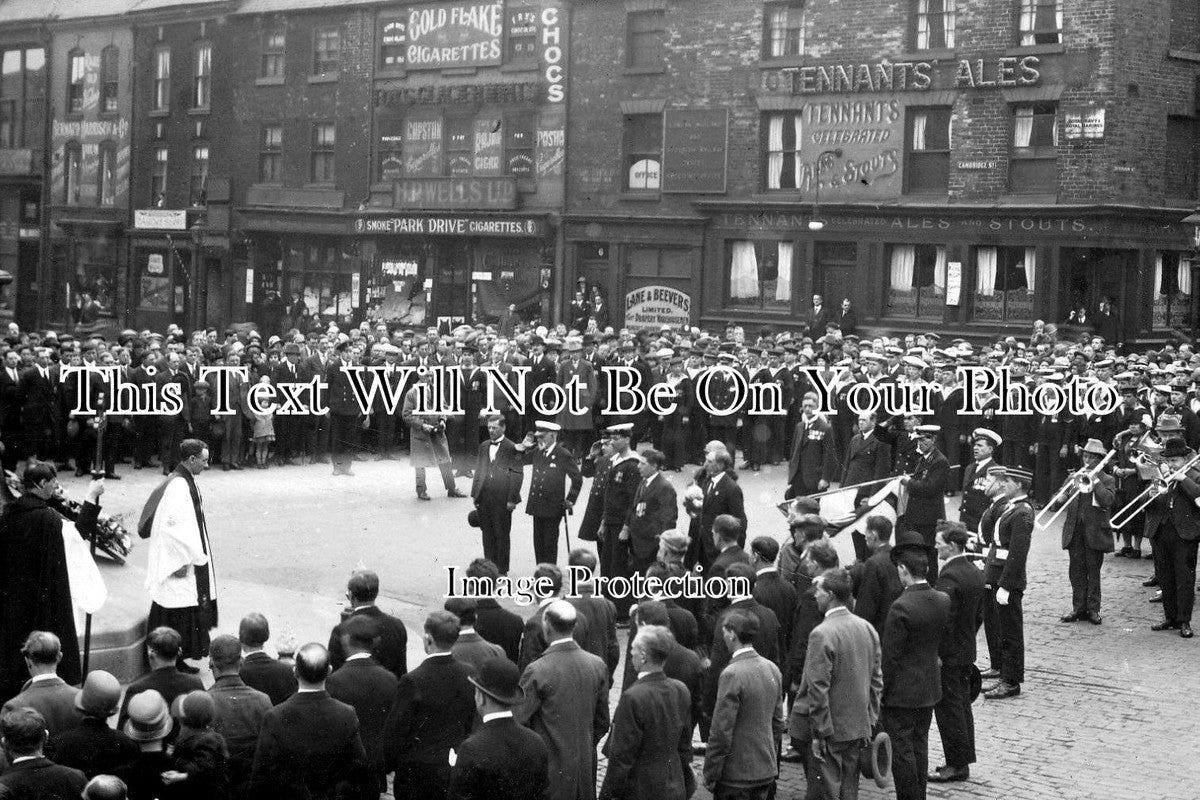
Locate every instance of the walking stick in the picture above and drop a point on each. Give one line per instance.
(97, 472)
(567, 529)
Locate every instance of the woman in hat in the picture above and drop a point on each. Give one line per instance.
(200, 755)
(149, 725)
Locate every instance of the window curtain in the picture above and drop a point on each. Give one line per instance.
(985, 271)
(783, 282)
(1030, 268)
(779, 20)
(918, 133)
(774, 151)
(1184, 277)
(950, 21)
(1023, 126)
(796, 164)
(1158, 274)
(939, 271)
(1028, 21)
(923, 24)
(904, 259)
(743, 272)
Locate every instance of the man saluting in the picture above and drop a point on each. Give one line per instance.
(549, 498)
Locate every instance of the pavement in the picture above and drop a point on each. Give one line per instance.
(1106, 711)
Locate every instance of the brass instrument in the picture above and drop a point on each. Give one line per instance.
(1082, 482)
(1165, 483)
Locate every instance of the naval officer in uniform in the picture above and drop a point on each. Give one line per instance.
(549, 497)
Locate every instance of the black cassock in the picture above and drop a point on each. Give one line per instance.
(35, 589)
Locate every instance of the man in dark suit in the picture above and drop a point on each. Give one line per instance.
(470, 649)
(962, 582)
(496, 490)
(392, 651)
(722, 495)
(911, 682)
(620, 485)
(682, 664)
(45, 691)
(867, 459)
(1173, 526)
(838, 700)
(494, 623)
(975, 479)
(31, 774)
(162, 648)
(501, 760)
(258, 670)
(770, 590)
(600, 612)
(814, 461)
(38, 399)
(309, 745)
(172, 428)
(926, 488)
(654, 511)
(819, 318)
(289, 428)
(549, 498)
(649, 748)
(239, 710)
(1087, 535)
(533, 638)
(369, 689)
(345, 415)
(847, 320)
(433, 712)
(10, 408)
(91, 746)
(877, 583)
(725, 534)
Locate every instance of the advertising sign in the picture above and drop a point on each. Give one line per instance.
(450, 35)
(657, 305)
(694, 148)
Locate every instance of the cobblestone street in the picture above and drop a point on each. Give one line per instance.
(1106, 712)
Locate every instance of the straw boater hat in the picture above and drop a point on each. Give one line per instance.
(1095, 447)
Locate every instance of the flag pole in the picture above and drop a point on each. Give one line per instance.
(852, 486)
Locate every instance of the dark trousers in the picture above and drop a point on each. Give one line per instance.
(956, 723)
(495, 520)
(727, 435)
(421, 780)
(724, 791)
(1175, 563)
(545, 539)
(615, 563)
(171, 431)
(143, 440)
(1012, 640)
(1083, 569)
(316, 436)
(343, 438)
(231, 439)
(991, 628)
(908, 729)
(639, 564)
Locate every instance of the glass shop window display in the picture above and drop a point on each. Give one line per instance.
(396, 288)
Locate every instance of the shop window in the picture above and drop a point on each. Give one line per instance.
(33, 118)
(324, 137)
(1185, 25)
(934, 25)
(162, 78)
(659, 262)
(390, 149)
(392, 42)
(522, 36)
(645, 35)
(77, 74)
(1041, 22)
(110, 58)
(274, 43)
(460, 142)
(8, 123)
(158, 178)
(11, 75)
(518, 144)
(1181, 158)
(784, 137)
(1033, 165)
(758, 275)
(198, 188)
(72, 172)
(643, 152)
(202, 76)
(93, 278)
(1172, 290)
(927, 160)
(916, 281)
(784, 35)
(327, 50)
(270, 156)
(1004, 283)
(106, 177)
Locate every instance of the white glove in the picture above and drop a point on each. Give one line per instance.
(1002, 596)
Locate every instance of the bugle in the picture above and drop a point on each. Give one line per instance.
(1159, 486)
(1082, 480)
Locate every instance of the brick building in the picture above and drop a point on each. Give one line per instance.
(398, 163)
(970, 166)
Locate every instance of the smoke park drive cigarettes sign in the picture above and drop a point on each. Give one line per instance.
(657, 305)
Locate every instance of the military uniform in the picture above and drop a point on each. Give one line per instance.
(549, 496)
(1005, 569)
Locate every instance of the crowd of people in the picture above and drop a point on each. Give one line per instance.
(823, 655)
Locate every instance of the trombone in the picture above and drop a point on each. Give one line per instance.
(1081, 481)
(1159, 486)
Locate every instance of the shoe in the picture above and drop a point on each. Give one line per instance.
(949, 774)
(1072, 617)
(990, 674)
(1135, 554)
(112, 476)
(237, 466)
(1185, 630)
(1151, 582)
(792, 756)
(1157, 598)
(1003, 691)
(455, 493)
(1094, 618)
(226, 467)
(423, 496)
(1165, 625)
(1122, 553)
(990, 687)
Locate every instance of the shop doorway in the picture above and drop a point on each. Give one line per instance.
(452, 287)
(834, 274)
(1093, 274)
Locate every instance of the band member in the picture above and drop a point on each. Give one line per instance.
(1087, 533)
(1135, 465)
(975, 480)
(1173, 526)
(1005, 575)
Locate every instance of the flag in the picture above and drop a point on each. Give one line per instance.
(843, 518)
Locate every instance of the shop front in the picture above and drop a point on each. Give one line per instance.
(406, 270)
(972, 271)
(173, 266)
